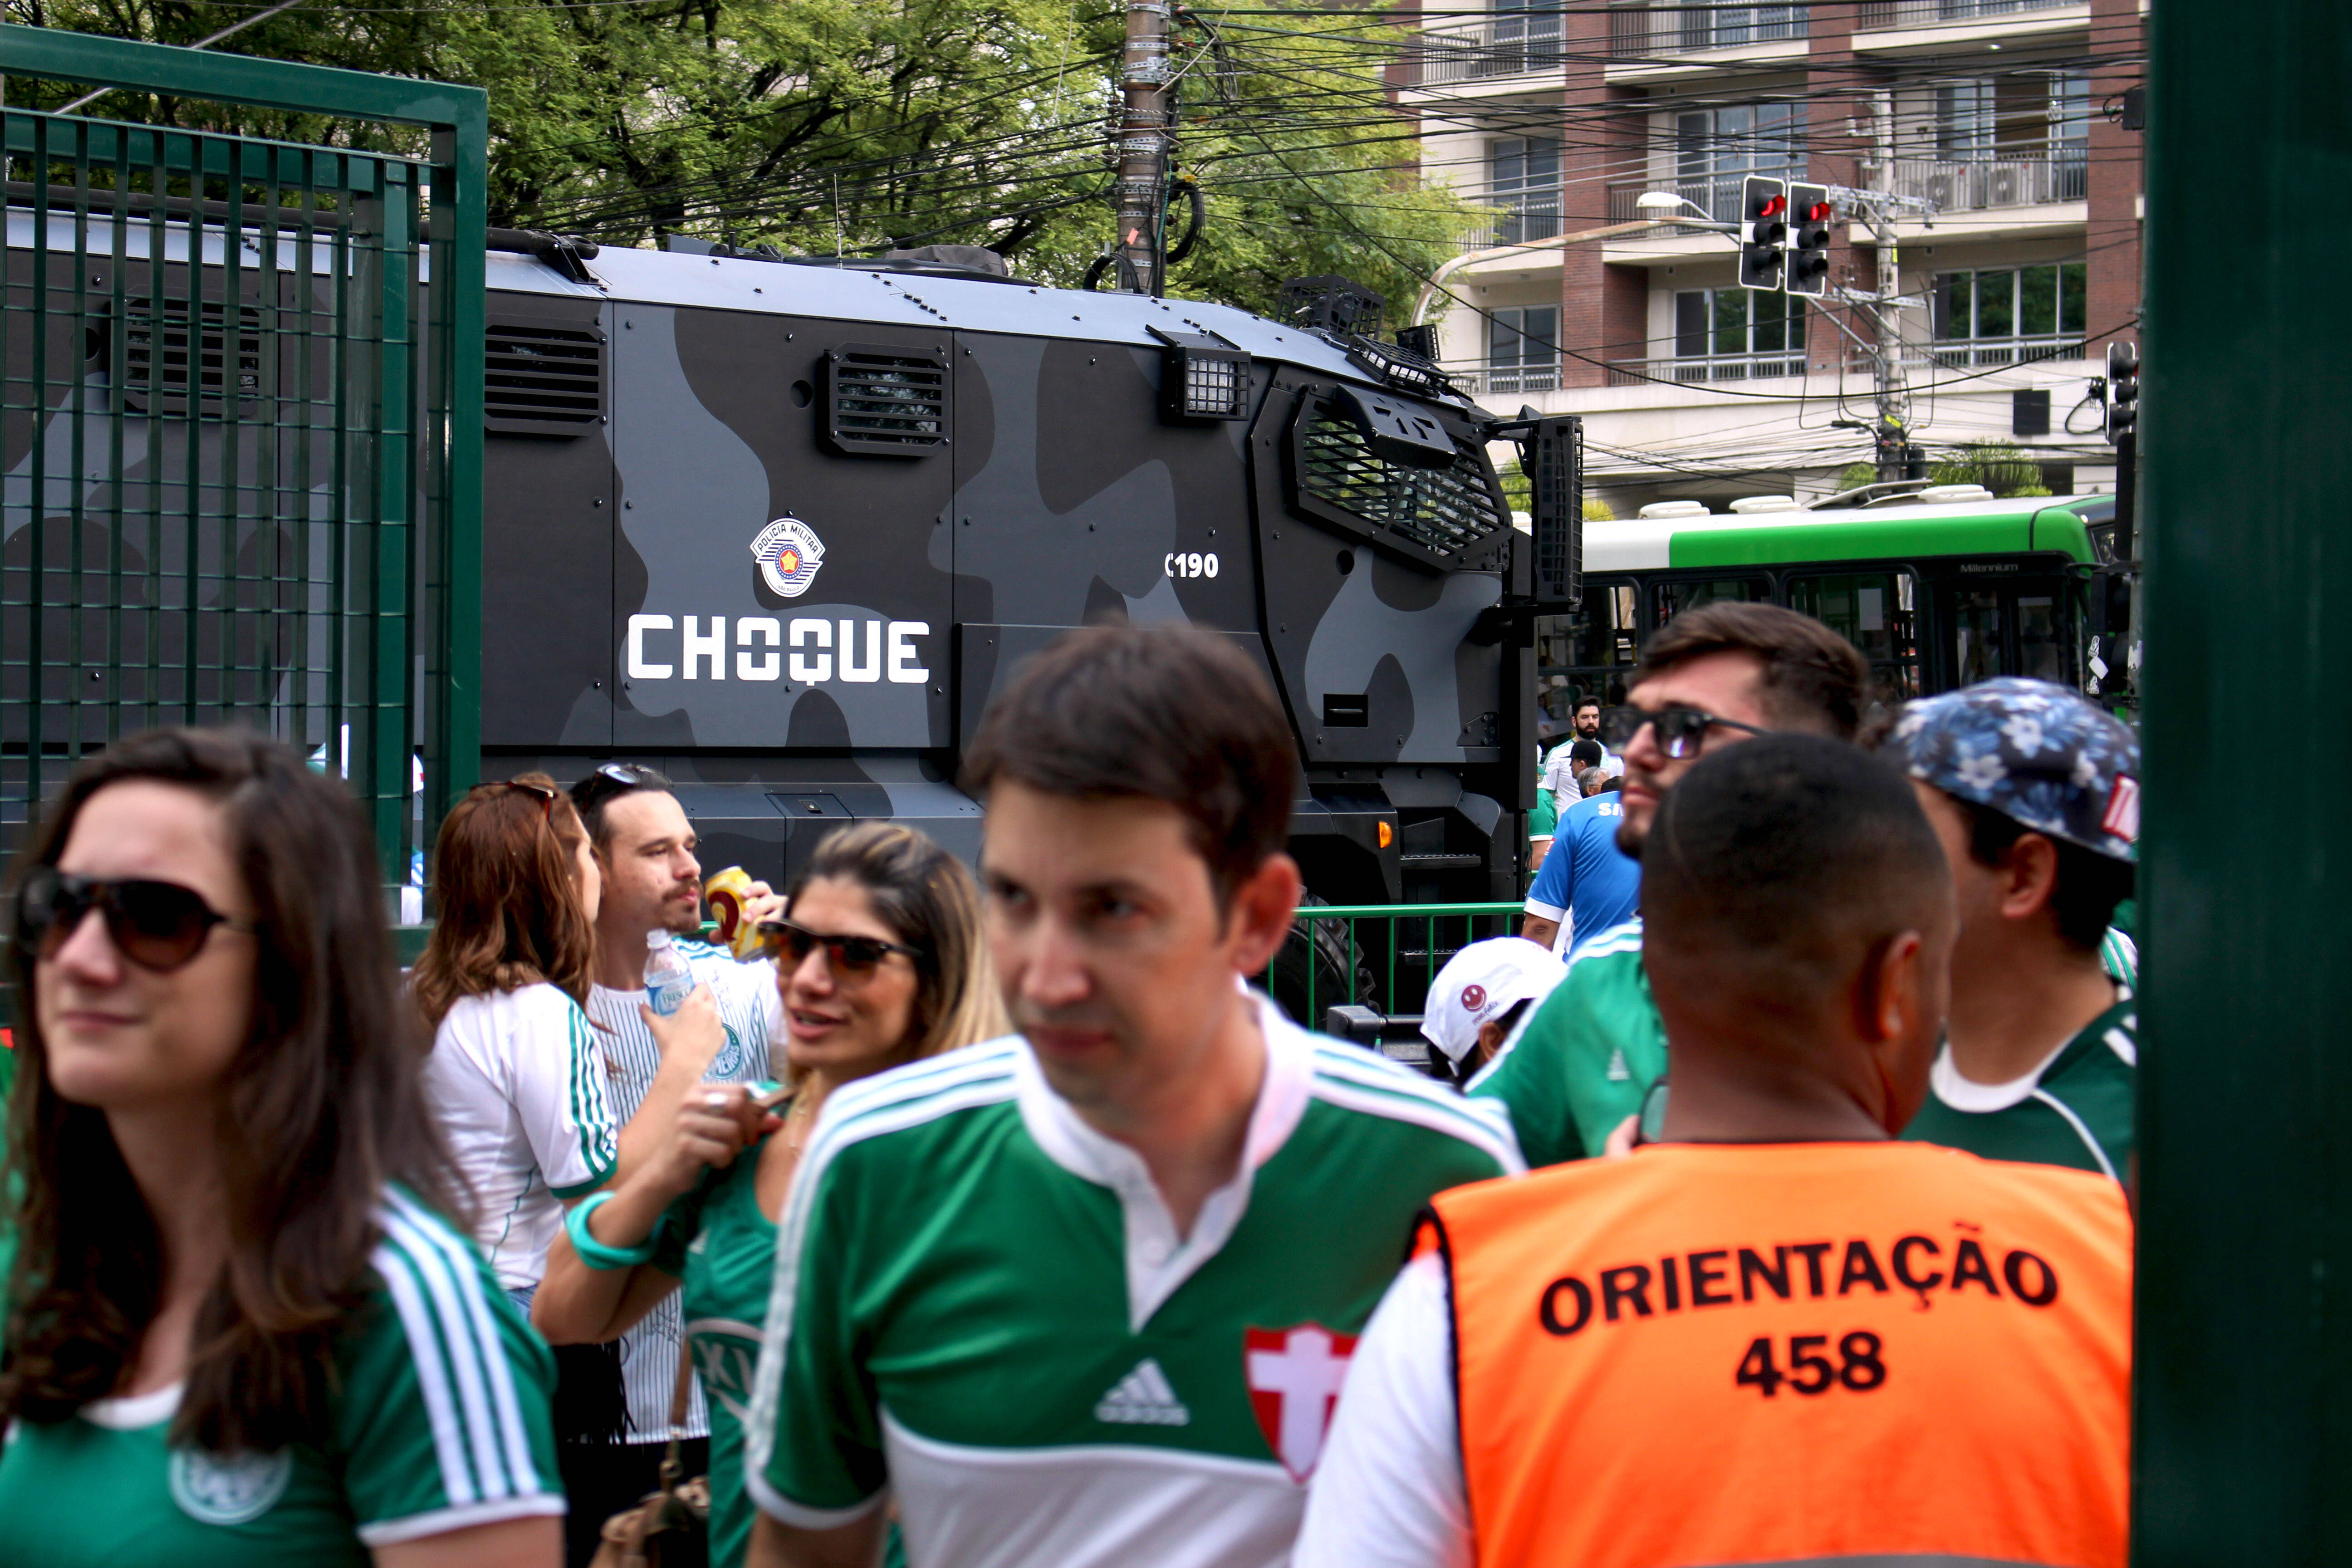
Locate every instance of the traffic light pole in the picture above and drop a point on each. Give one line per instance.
(1891, 428)
(1143, 146)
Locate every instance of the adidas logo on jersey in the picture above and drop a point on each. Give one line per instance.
(1143, 1398)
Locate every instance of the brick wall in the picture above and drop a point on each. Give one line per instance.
(2112, 243)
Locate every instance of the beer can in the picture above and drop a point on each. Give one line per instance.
(726, 893)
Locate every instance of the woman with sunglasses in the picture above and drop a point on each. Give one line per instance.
(880, 961)
(515, 1075)
(240, 1328)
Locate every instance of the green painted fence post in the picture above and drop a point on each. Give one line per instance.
(2244, 1410)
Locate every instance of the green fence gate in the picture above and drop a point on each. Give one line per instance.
(241, 475)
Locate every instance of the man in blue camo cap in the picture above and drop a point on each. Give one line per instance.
(2035, 793)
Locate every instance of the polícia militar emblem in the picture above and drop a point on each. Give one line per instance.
(789, 553)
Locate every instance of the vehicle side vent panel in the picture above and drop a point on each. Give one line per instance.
(886, 401)
(543, 380)
(1449, 518)
(165, 356)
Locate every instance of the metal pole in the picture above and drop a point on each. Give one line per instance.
(1143, 143)
(2242, 1439)
(1893, 430)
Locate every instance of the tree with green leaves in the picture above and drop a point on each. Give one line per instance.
(817, 126)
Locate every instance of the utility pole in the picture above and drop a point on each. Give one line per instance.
(1144, 148)
(1891, 427)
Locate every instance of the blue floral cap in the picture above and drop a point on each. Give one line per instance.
(2034, 750)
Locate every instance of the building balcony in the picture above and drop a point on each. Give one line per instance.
(1497, 379)
(1980, 184)
(1643, 32)
(1708, 367)
(1886, 16)
(1718, 196)
(1518, 220)
(1508, 46)
(1977, 354)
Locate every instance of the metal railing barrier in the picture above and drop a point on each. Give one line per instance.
(1380, 956)
(243, 439)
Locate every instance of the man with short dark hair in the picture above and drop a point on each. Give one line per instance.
(1085, 1296)
(1709, 679)
(651, 880)
(2035, 793)
(1776, 1334)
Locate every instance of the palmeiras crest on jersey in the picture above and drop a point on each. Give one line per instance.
(1293, 1376)
(228, 1489)
(789, 553)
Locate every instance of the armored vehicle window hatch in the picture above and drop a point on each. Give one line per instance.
(1397, 431)
(886, 401)
(163, 350)
(1448, 518)
(538, 379)
(1202, 377)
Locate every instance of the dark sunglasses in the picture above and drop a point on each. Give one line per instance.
(1681, 729)
(630, 775)
(851, 957)
(158, 926)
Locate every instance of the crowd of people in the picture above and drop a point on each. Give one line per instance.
(1001, 1222)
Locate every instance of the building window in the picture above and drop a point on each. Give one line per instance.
(1523, 349)
(2017, 313)
(1524, 177)
(1747, 332)
(1715, 149)
(2040, 118)
(1526, 38)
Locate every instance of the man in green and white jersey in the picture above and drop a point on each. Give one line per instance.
(1085, 1296)
(1710, 678)
(2035, 793)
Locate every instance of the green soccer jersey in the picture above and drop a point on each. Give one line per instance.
(1581, 1062)
(2074, 1109)
(439, 1417)
(723, 1250)
(983, 1306)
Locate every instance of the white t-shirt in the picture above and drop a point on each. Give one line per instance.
(1389, 1492)
(1559, 773)
(518, 1081)
(751, 1012)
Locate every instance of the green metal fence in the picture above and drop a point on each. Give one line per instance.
(1382, 956)
(242, 438)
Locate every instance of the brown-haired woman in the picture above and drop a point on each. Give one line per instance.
(515, 1075)
(240, 1328)
(881, 961)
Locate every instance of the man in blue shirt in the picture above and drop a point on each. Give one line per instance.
(1586, 880)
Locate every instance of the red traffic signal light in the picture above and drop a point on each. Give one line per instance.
(1765, 201)
(1809, 246)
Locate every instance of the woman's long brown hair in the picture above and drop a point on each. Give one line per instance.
(323, 1106)
(506, 881)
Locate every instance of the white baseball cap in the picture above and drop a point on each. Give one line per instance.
(1480, 983)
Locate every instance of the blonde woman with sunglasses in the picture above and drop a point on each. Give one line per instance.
(879, 963)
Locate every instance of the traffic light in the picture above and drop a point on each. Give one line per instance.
(2123, 391)
(1765, 203)
(1809, 244)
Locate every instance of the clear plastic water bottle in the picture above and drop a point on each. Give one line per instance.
(668, 981)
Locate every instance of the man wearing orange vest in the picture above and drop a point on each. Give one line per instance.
(1776, 1335)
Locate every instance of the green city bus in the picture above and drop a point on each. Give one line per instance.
(1937, 590)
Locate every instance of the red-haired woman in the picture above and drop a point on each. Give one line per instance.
(515, 1075)
(241, 1329)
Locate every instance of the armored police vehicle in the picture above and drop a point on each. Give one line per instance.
(782, 530)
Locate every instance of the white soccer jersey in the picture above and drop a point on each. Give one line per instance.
(518, 1081)
(751, 1012)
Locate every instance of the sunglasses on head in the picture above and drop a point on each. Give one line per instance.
(852, 957)
(158, 926)
(540, 792)
(1681, 728)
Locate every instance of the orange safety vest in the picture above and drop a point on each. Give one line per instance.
(1713, 1354)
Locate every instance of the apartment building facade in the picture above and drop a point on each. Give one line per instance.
(2006, 116)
